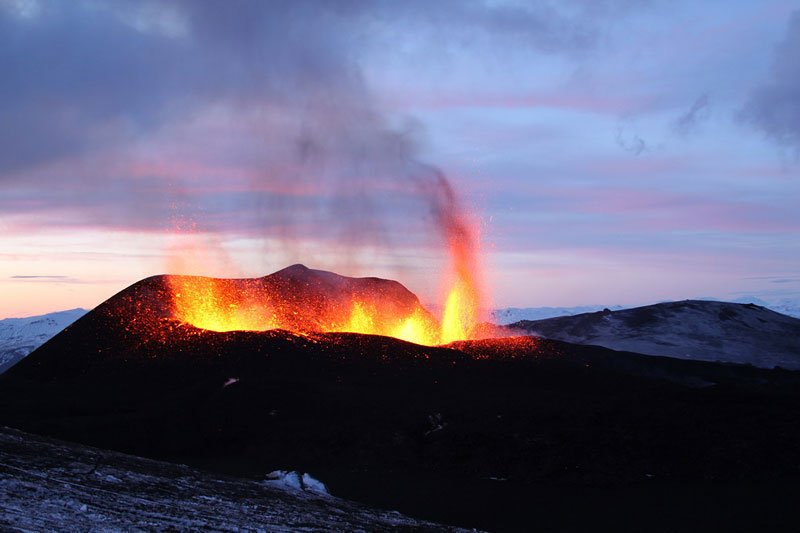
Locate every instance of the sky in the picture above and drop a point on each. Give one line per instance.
(614, 152)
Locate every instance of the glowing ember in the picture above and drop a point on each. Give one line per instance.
(302, 300)
(209, 304)
(416, 327)
(361, 320)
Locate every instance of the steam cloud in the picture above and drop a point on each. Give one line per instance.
(689, 121)
(774, 107)
(274, 89)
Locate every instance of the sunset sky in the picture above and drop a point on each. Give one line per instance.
(611, 152)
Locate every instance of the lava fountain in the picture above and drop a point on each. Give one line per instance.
(302, 300)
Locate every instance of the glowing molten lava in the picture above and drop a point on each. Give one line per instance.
(416, 327)
(303, 300)
(216, 305)
(460, 313)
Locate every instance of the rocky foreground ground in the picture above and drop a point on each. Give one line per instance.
(51, 485)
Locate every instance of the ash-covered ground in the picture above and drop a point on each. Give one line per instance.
(510, 434)
(51, 485)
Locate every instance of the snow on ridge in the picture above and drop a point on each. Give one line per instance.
(784, 306)
(690, 329)
(21, 336)
(509, 315)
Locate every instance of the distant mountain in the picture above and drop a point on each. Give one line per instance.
(786, 308)
(691, 329)
(509, 315)
(20, 336)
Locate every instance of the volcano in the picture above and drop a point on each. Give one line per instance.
(502, 434)
(297, 299)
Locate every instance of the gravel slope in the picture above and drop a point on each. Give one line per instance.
(50, 485)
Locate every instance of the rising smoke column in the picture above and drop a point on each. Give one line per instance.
(460, 233)
(334, 140)
(237, 118)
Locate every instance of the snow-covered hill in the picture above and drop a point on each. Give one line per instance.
(784, 306)
(20, 336)
(509, 315)
(691, 329)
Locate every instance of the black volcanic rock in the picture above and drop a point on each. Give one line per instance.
(690, 329)
(49, 485)
(482, 434)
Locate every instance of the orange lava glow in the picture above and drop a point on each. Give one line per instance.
(415, 327)
(256, 305)
(212, 304)
(288, 300)
(460, 313)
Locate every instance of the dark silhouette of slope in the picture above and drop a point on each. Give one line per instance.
(479, 434)
(51, 485)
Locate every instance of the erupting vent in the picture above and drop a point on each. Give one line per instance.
(304, 300)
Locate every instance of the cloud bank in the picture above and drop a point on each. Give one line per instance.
(774, 106)
(95, 91)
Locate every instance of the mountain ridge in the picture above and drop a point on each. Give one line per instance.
(21, 336)
(689, 329)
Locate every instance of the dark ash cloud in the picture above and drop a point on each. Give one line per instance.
(80, 79)
(633, 143)
(688, 122)
(78, 76)
(774, 107)
(75, 78)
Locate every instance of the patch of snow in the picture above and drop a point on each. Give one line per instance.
(21, 336)
(784, 306)
(314, 485)
(509, 315)
(296, 481)
(691, 329)
(42, 490)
